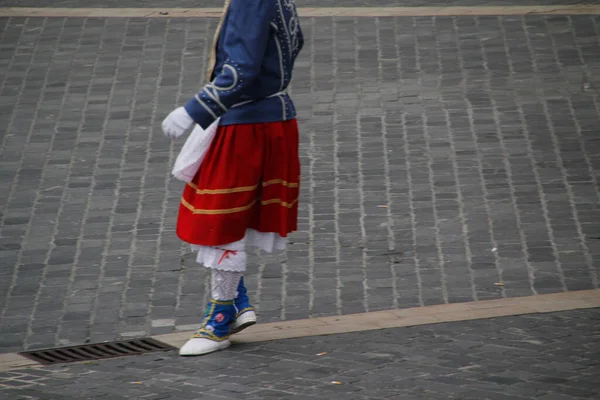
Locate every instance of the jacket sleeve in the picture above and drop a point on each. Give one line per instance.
(245, 37)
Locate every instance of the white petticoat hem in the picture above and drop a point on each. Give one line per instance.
(232, 256)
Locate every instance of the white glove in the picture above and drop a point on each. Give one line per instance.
(178, 123)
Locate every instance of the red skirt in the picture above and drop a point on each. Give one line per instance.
(249, 179)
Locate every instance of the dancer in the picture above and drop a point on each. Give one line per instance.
(245, 192)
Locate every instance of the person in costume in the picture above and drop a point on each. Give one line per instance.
(245, 192)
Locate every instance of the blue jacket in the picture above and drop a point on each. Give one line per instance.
(256, 48)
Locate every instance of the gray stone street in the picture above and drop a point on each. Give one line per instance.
(445, 159)
(542, 357)
(300, 3)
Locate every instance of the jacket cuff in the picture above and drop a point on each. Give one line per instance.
(199, 113)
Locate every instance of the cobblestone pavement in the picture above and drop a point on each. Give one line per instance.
(300, 3)
(441, 156)
(542, 357)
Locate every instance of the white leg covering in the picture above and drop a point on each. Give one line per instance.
(224, 284)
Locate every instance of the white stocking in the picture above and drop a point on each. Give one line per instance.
(224, 284)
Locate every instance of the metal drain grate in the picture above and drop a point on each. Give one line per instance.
(96, 351)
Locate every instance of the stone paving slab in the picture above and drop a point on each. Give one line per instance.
(542, 357)
(444, 160)
(376, 320)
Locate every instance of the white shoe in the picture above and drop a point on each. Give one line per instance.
(199, 346)
(242, 322)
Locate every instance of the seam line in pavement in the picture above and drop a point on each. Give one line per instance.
(304, 12)
(377, 320)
